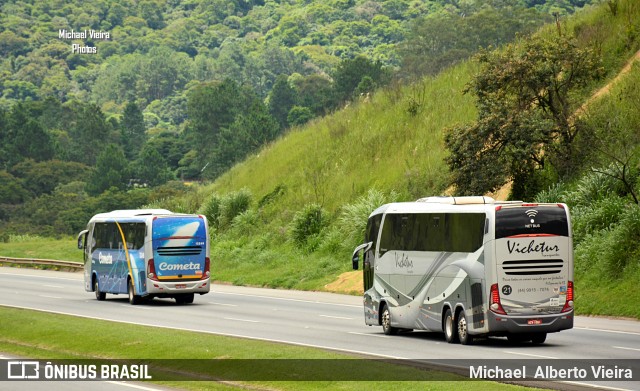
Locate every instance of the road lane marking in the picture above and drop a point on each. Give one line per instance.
(136, 386)
(529, 354)
(136, 306)
(223, 304)
(243, 320)
(336, 317)
(36, 276)
(625, 348)
(285, 299)
(50, 297)
(607, 331)
(597, 386)
(369, 335)
(54, 286)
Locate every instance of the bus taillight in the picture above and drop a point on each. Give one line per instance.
(207, 266)
(568, 305)
(151, 270)
(496, 306)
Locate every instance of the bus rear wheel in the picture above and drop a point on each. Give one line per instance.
(96, 288)
(450, 329)
(133, 298)
(463, 331)
(386, 322)
(184, 299)
(538, 338)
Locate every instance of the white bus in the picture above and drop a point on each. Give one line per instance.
(469, 267)
(146, 253)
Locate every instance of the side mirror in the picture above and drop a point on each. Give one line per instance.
(82, 237)
(356, 253)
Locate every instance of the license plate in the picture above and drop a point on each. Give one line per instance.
(534, 321)
(181, 286)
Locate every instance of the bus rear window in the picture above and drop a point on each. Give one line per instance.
(538, 220)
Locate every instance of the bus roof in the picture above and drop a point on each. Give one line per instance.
(453, 204)
(131, 213)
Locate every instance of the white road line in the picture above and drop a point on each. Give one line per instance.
(223, 304)
(336, 317)
(135, 306)
(286, 299)
(607, 331)
(243, 320)
(308, 345)
(368, 335)
(136, 386)
(529, 355)
(597, 386)
(50, 297)
(36, 276)
(54, 286)
(625, 348)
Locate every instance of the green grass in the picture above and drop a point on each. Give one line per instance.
(38, 335)
(26, 246)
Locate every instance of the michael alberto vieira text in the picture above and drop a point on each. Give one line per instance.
(549, 372)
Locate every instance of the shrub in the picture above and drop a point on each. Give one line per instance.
(211, 208)
(600, 215)
(353, 219)
(594, 187)
(232, 205)
(307, 224)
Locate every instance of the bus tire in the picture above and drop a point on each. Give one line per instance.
(463, 330)
(187, 298)
(386, 321)
(538, 338)
(133, 298)
(450, 329)
(100, 296)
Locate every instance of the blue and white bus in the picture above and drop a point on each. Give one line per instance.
(146, 253)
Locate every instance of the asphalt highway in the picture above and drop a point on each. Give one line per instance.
(315, 319)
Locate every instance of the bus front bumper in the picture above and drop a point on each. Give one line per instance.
(505, 324)
(172, 288)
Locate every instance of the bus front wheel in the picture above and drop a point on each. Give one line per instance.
(96, 288)
(450, 329)
(386, 322)
(133, 298)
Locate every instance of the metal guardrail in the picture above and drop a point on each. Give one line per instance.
(46, 262)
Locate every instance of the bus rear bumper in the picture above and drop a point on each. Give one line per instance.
(166, 288)
(505, 324)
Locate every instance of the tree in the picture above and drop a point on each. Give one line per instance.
(525, 116)
(349, 75)
(132, 130)
(212, 108)
(44, 177)
(23, 138)
(152, 168)
(281, 100)
(111, 171)
(88, 131)
(299, 115)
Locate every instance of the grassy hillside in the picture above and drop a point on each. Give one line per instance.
(305, 198)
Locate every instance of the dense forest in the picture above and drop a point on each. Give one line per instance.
(114, 104)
